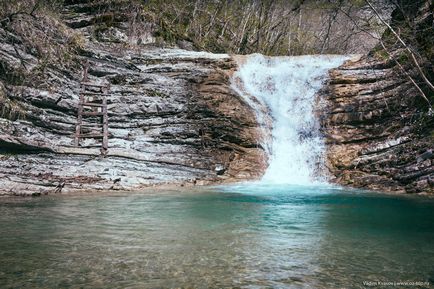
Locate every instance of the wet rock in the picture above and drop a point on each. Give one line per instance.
(220, 169)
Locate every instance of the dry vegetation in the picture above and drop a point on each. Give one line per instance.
(409, 44)
(34, 25)
(281, 27)
(272, 27)
(10, 109)
(40, 40)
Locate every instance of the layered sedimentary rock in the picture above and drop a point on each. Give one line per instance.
(377, 125)
(377, 137)
(173, 117)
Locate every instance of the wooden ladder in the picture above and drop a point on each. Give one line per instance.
(92, 103)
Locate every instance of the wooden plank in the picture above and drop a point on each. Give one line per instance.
(79, 120)
(94, 93)
(105, 126)
(91, 135)
(93, 113)
(91, 146)
(85, 71)
(90, 125)
(94, 100)
(92, 104)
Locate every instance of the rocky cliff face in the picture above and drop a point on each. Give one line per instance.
(173, 117)
(378, 131)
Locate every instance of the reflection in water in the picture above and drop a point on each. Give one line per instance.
(246, 236)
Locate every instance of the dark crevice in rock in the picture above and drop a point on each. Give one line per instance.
(11, 149)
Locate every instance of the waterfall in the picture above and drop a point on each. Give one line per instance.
(287, 87)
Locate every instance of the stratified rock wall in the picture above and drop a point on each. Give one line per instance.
(378, 131)
(173, 118)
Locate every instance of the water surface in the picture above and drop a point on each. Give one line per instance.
(246, 237)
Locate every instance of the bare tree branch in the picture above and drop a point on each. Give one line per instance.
(407, 48)
(408, 75)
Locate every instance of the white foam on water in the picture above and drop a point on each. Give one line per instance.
(288, 87)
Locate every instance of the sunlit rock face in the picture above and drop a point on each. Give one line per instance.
(173, 119)
(182, 117)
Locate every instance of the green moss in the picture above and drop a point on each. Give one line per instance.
(381, 54)
(155, 93)
(76, 42)
(403, 58)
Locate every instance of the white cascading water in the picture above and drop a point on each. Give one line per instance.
(288, 86)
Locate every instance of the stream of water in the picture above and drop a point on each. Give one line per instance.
(287, 87)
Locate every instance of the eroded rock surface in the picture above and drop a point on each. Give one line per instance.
(379, 130)
(173, 118)
(378, 135)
